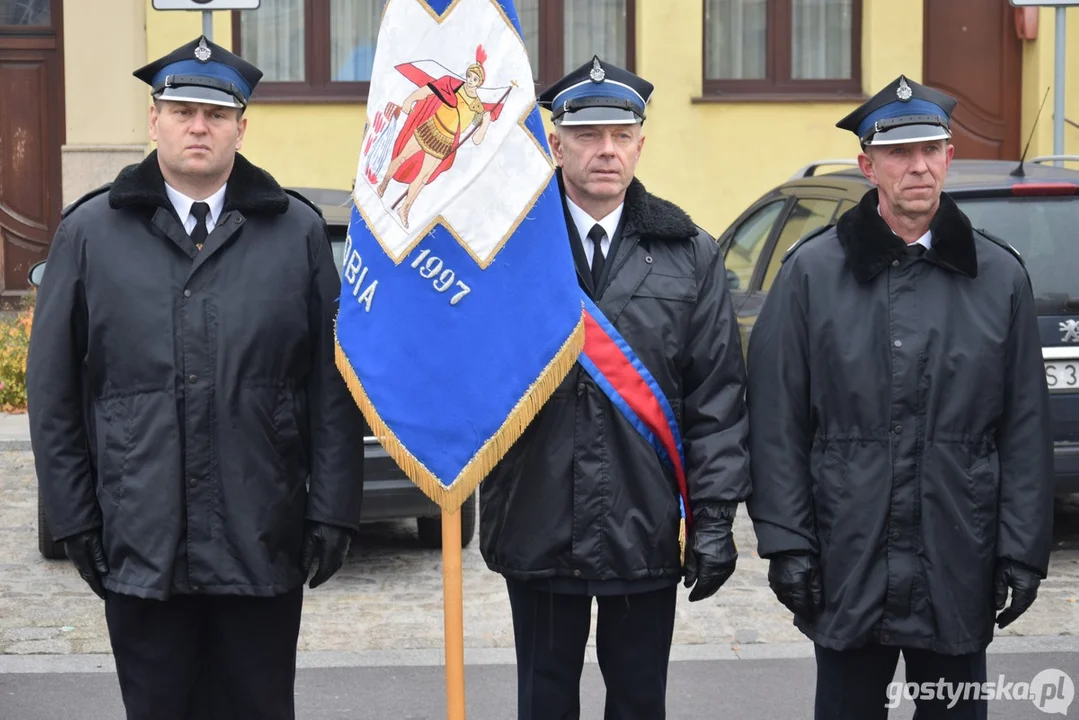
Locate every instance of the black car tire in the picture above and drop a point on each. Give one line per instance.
(430, 528)
(50, 550)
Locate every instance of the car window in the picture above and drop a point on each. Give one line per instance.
(748, 242)
(807, 215)
(338, 234)
(1042, 229)
(338, 247)
(844, 207)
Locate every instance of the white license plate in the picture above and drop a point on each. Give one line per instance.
(1062, 374)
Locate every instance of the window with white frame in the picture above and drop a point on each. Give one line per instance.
(324, 49)
(782, 47)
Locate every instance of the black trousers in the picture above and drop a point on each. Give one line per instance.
(633, 645)
(202, 657)
(855, 683)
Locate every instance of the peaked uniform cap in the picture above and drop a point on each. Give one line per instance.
(902, 112)
(203, 72)
(597, 93)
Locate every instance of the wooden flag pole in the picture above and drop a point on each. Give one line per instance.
(453, 611)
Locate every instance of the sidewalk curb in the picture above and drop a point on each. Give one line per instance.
(431, 657)
(14, 432)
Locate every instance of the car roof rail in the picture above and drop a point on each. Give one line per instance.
(811, 169)
(1052, 158)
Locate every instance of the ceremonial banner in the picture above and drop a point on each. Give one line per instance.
(460, 311)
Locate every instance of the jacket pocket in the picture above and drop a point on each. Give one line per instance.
(112, 421)
(829, 489)
(289, 441)
(261, 437)
(667, 287)
(983, 479)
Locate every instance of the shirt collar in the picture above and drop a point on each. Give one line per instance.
(926, 240)
(183, 203)
(584, 221)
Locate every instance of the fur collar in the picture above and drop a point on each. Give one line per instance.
(871, 246)
(250, 189)
(649, 215)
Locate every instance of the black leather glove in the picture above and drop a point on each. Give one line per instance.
(711, 559)
(1024, 584)
(331, 544)
(87, 553)
(796, 582)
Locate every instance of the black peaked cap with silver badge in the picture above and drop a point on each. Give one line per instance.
(597, 93)
(903, 111)
(201, 72)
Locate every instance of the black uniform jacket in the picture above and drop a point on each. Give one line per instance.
(188, 402)
(900, 428)
(582, 494)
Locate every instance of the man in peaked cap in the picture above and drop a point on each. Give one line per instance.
(583, 506)
(899, 426)
(195, 445)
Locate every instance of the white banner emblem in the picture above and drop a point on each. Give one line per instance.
(446, 142)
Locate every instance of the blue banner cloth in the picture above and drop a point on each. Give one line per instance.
(460, 311)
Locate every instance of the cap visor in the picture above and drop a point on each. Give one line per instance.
(599, 116)
(196, 94)
(910, 134)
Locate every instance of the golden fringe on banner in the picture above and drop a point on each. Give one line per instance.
(452, 497)
(682, 541)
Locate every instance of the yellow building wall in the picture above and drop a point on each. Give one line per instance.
(1071, 102)
(711, 158)
(714, 159)
(105, 120)
(1039, 62)
(1071, 93)
(103, 105)
(301, 145)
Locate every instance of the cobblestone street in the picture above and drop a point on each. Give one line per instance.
(389, 595)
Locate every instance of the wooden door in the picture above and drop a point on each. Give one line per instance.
(973, 54)
(31, 134)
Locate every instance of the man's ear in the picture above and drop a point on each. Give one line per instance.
(865, 164)
(556, 147)
(240, 136)
(153, 122)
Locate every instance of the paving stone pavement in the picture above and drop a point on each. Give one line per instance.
(389, 594)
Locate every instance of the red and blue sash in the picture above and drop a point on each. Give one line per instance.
(611, 362)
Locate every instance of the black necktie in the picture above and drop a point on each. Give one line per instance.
(200, 210)
(915, 250)
(596, 235)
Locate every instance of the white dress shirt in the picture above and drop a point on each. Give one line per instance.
(926, 239)
(584, 223)
(183, 204)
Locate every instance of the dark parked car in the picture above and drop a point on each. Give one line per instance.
(387, 493)
(1037, 212)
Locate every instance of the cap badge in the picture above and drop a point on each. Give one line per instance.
(597, 74)
(903, 92)
(202, 53)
